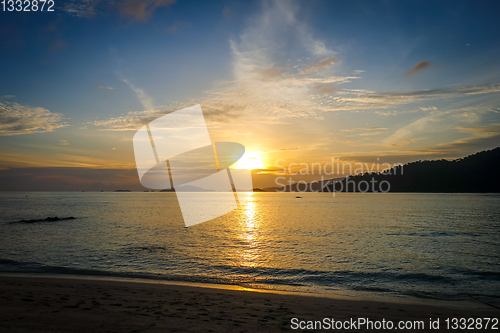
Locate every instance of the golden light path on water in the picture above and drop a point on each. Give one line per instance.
(249, 254)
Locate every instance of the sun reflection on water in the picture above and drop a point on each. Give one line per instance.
(249, 236)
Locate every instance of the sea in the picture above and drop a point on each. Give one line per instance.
(438, 246)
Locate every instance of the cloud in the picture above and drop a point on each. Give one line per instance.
(325, 88)
(358, 99)
(325, 64)
(455, 149)
(131, 121)
(469, 145)
(400, 112)
(138, 10)
(18, 119)
(100, 85)
(267, 86)
(420, 66)
(364, 129)
(272, 72)
(142, 96)
(364, 136)
(272, 77)
(63, 143)
(482, 131)
(83, 8)
(425, 125)
(359, 143)
(141, 10)
(371, 133)
(442, 125)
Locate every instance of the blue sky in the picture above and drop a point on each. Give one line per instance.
(299, 80)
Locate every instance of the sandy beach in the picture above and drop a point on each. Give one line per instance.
(68, 304)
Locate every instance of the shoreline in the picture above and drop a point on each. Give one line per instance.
(356, 295)
(89, 304)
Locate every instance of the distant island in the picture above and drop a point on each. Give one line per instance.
(477, 173)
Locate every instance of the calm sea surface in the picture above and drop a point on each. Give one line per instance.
(443, 246)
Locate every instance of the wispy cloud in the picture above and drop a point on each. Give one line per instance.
(364, 129)
(325, 88)
(100, 86)
(63, 142)
(142, 96)
(133, 120)
(18, 119)
(141, 10)
(482, 131)
(267, 85)
(439, 123)
(325, 64)
(137, 10)
(83, 8)
(358, 100)
(420, 66)
(130, 121)
(456, 148)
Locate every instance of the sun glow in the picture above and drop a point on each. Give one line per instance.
(250, 160)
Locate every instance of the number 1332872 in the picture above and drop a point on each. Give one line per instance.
(27, 5)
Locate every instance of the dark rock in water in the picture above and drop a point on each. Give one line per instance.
(48, 219)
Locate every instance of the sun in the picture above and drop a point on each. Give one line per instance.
(250, 160)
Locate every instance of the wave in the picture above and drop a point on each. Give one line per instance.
(407, 284)
(436, 234)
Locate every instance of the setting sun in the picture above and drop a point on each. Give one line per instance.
(250, 160)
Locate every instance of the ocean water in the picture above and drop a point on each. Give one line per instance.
(443, 246)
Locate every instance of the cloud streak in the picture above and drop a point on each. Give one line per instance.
(420, 66)
(325, 64)
(358, 100)
(16, 119)
(141, 10)
(137, 10)
(142, 96)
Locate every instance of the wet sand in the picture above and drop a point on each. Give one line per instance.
(51, 304)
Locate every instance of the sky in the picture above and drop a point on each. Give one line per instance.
(293, 81)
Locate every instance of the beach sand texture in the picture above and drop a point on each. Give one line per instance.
(43, 304)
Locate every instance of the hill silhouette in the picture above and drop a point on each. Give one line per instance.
(476, 173)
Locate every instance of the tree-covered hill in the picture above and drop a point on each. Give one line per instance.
(477, 173)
